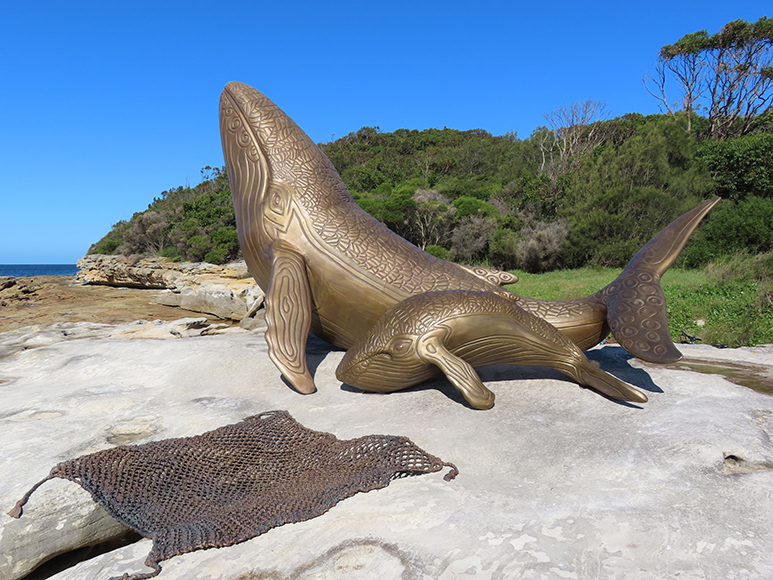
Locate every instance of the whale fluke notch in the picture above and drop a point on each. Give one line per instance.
(636, 305)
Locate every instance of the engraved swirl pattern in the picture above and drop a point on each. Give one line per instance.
(557, 311)
(245, 168)
(637, 314)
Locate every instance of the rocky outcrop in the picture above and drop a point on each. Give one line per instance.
(225, 291)
(555, 481)
(17, 289)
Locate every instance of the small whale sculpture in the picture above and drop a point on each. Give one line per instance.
(456, 330)
(329, 268)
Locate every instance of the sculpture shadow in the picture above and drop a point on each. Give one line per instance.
(439, 383)
(614, 359)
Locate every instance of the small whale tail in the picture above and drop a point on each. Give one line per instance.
(636, 305)
(591, 376)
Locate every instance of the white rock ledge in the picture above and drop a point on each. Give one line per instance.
(555, 481)
(225, 291)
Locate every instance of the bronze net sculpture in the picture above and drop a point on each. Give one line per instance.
(330, 268)
(236, 482)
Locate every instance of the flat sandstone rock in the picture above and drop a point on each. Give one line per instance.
(555, 481)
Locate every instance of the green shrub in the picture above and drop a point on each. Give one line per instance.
(110, 243)
(183, 224)
(438, 252)
(733, 306)
(745, 226)
(742, 166)
(197, 247)
(216, 256)
(472, 206)
(226, 246)
(609, 228)
(171, 252)
(536, 247)
(469, 240)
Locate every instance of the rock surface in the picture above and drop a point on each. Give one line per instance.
(555, 481)
(226, 291)
(40, 335)
(32, 301)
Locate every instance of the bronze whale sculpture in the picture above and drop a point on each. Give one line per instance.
(330, 268)
(455, 330)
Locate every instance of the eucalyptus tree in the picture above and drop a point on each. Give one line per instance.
(728, 76)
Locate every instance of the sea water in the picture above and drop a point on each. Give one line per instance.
(38, 270)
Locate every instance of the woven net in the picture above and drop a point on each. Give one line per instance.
(236, 482)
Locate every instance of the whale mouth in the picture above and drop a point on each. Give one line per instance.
(355, 369)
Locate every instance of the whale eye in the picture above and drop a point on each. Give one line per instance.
(401, 346)
(277, 203)
(277, 197)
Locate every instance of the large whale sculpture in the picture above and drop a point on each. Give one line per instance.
(330, 268)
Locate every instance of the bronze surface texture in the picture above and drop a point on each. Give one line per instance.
(236, 482)
(329, 268)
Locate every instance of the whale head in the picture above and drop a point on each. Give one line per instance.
(274, 170)
(269, 158)
(392, 355)
(388, 363)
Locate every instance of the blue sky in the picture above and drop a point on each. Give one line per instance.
(104, 105)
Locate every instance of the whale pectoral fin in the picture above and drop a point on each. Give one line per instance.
(288, 314)
(636, 314)
(432, 350)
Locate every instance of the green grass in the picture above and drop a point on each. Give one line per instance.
(727, 303)
(563, 284)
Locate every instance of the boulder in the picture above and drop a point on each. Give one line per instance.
(226, 291)
(555, 481)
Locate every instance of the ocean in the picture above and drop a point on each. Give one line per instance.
(38, 270)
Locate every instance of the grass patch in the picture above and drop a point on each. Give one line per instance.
(728, 302)
(563, 284)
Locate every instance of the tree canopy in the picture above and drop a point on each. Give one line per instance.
(582, 190)
(727, 75)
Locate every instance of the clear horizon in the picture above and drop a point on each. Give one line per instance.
(107, 105)
(40, 264)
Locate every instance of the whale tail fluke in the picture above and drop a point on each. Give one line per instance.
(636, 305)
